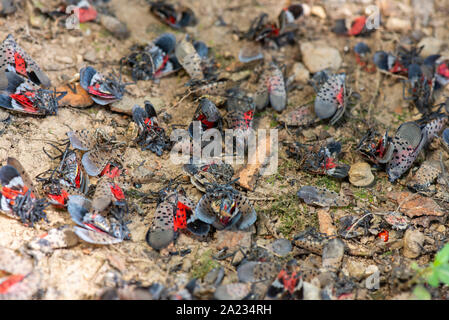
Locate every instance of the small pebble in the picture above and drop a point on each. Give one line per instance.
(398, 25)
(431, 46)
(360, 174)
(232, 291)
(64, 59)
(317, 56)
(413, 241)
(318, 11)
(333, 253)
(281, 247)
(300, 73)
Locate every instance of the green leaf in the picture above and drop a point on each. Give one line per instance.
(421, 293)
(433, 279)
(443, 273)
(442, 256)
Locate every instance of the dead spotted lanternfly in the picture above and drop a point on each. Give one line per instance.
(18, 198)
(103, 90)
(174, 190)
(23, 83)
(151, 136)
(173, 214)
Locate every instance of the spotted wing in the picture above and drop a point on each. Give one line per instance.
(19, 94)
(103, 195)
(203, 210)
(276, 88)
(253, 271)
(261, 96)
(25, 177)
(95, 161)
(14, 59)
(189, 59)
(249, 215)
(81, 139)
(95, 237)
(330, 96)
(161, 232)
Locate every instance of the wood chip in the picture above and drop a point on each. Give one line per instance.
(326, 223)
(248, 175)
(80, 99)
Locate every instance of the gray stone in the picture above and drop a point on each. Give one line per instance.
(413, 241)
(318, 55)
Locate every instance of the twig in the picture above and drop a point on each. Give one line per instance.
(393, 75)
(182, 99)
(261, 199)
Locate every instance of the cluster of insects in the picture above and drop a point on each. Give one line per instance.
(91, 178)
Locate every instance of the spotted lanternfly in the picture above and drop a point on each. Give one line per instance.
(420, 88)
(151, 135)
(214, 88)
(250, 52)
(311, 240)
(86, 12)
(288, 282)
(408, 142)
(433, 124)
(103, 90)
(302, 116)
(271, 89)
(426, 175)
(362, 51)
(384, 235)
(173, 214)
(442, 73)
(388, 62)
(175, 16)
(22, 95)
(19, 280)
(282, 32)
(205, 174)
(232, 291)
(192, 58)
(320, 78)
(397, 220)
(399, 62)
(224, 207)
(99, 153)
(14, 59)
(67, 178)
(322, 197)
(18, 196)
(255, 271)
(207, 116)
(358, 27)
(155, 60)
(375, 147)
(240, 112)
(322, 160)
(55, 238)
(331, 99)
(90, 215)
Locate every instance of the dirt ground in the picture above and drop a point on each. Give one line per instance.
(82, 272)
